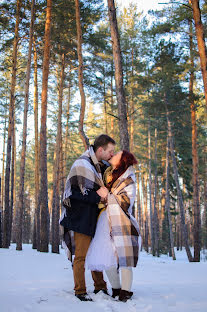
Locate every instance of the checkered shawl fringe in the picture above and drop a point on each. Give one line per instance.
(85, 173)
(124, 227)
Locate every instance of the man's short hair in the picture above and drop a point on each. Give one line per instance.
(102, 141)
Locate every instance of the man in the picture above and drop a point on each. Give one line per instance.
(83, 191)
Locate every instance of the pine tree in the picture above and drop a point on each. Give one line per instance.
(57, 167)
(44, 217)
(121, 100)
(80, 75)
(23, 152)
(7, 205)
(36, 225)
(201, 43)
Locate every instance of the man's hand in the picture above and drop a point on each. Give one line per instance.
(102, 192)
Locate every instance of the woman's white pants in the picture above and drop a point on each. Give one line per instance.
(126, 278)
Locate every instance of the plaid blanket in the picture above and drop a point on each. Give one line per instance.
(124, 227)
(85, 173)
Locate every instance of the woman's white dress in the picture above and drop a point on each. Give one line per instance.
(101, 253)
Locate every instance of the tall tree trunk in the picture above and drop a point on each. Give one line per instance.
(179, 193)
(167, 199)
(15, 169)
(178, 233)
(24, 139)
(62, 168)
(145, 219)
(36, 228)
(62, 172)
(112, 101)
(150, 193)
(162, 199)
(132, 105)
(2, 184)
(66, 145)
(121, 100)
(201, 42)
(155, 213)
(3, 167)
(139, 209)
(181, 235)
(56, 180)
(105, 101)
(196, 206)
(43, 194)
(6, 222)
(13, 208)
(80, 76)
(50, 201)
(13, 184)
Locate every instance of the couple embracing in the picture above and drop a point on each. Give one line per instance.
(97, 219)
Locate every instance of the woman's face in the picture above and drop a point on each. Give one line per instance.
(115, 160)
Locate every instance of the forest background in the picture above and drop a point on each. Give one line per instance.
(59, 88)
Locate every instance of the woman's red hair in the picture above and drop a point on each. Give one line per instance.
(127, 160)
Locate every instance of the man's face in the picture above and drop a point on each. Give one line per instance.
(107, 152)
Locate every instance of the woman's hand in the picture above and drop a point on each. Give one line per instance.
(102, 192)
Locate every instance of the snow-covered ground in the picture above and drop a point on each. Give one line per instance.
(43, 282)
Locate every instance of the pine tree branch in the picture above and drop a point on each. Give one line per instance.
(113, 116)
(184, 4)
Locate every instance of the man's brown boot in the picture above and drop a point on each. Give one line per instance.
(84, 297)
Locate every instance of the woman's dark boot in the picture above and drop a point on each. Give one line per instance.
(115, 292)
(125, 295)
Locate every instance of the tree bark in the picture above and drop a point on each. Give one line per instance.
(121, 100)
(112, 102)
(56, 179)
(36, 228)
(13, 206)
(24, 140)
(139, 209)
(6, 222)
(43, 194)
(66, 145)
(132, 105)
(80, 76)
(13, 184)
(155, 213)
(167, 199)
(177, 233)
(62, 172)
(145, 219)
(162, 200)
(2, 185)
(179, 193)
(150, 193)
(105, 101)
(196, 206)
(3, 168)
(201, 42)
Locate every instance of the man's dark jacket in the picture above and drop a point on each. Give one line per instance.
(82, 216)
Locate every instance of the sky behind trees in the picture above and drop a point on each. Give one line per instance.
(144, 5)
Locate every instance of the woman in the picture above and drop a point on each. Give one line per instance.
(116, 242)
